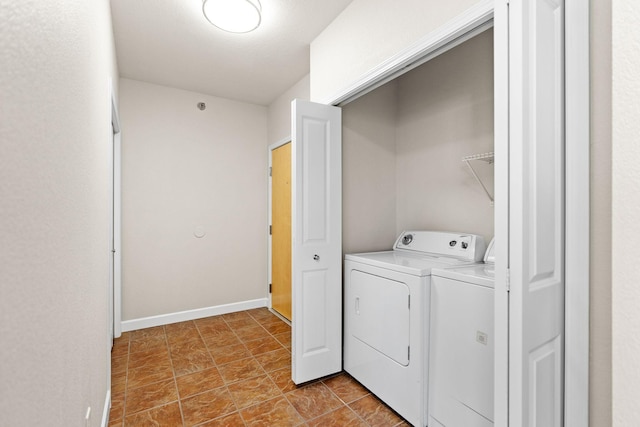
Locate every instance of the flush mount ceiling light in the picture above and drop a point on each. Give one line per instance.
(235, 16)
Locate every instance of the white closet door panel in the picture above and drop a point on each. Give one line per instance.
(536, 141)
(316, 241)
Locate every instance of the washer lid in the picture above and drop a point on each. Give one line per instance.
(478, 274)
(417, 265)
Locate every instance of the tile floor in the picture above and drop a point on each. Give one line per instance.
(229, 370)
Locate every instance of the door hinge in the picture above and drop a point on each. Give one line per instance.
(508, 280)
(408, 353)
(269, 230)
(270, 171)
(269, 287)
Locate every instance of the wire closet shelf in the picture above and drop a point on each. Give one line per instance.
(485, 157)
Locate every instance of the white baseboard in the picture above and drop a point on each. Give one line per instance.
(198, 313)
(106, 410)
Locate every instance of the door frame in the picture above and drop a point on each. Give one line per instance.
(269, 206)
(577, 211)
(116, 216)
(577, 200)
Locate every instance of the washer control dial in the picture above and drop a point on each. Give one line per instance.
(407, 238)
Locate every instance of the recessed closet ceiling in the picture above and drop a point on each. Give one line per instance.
(169, 42)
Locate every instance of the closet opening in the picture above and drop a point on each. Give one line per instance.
(408, 145)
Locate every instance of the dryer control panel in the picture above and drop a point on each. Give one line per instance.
(468, 247)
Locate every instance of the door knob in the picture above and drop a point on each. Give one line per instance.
(316, 257)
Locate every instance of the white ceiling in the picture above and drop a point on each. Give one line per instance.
(169, 42)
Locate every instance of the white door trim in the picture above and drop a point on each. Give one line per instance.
(117, 217)
(501, 219)
(577, 178)
(577, 204)
(269, 219)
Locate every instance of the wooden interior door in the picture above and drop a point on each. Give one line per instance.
(281, 230)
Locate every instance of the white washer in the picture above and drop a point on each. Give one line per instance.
(461, 351)
(386, 315)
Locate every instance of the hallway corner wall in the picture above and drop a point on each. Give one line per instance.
(55, 137)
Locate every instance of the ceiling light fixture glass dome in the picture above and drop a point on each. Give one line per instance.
(234, 16)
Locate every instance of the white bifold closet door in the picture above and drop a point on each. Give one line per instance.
(316, 223)
(536, 212)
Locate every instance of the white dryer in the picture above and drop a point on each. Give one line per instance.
(461, 354)
(386, 315)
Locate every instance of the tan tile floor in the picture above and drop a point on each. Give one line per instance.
(229, 370)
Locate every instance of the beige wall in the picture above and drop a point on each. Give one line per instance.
(367, 33)
(182, 170)
(57, 59)
(402, 150)
(368, 171)
(279, 111)
(625, 213)
(445, 112)
(600, 271)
